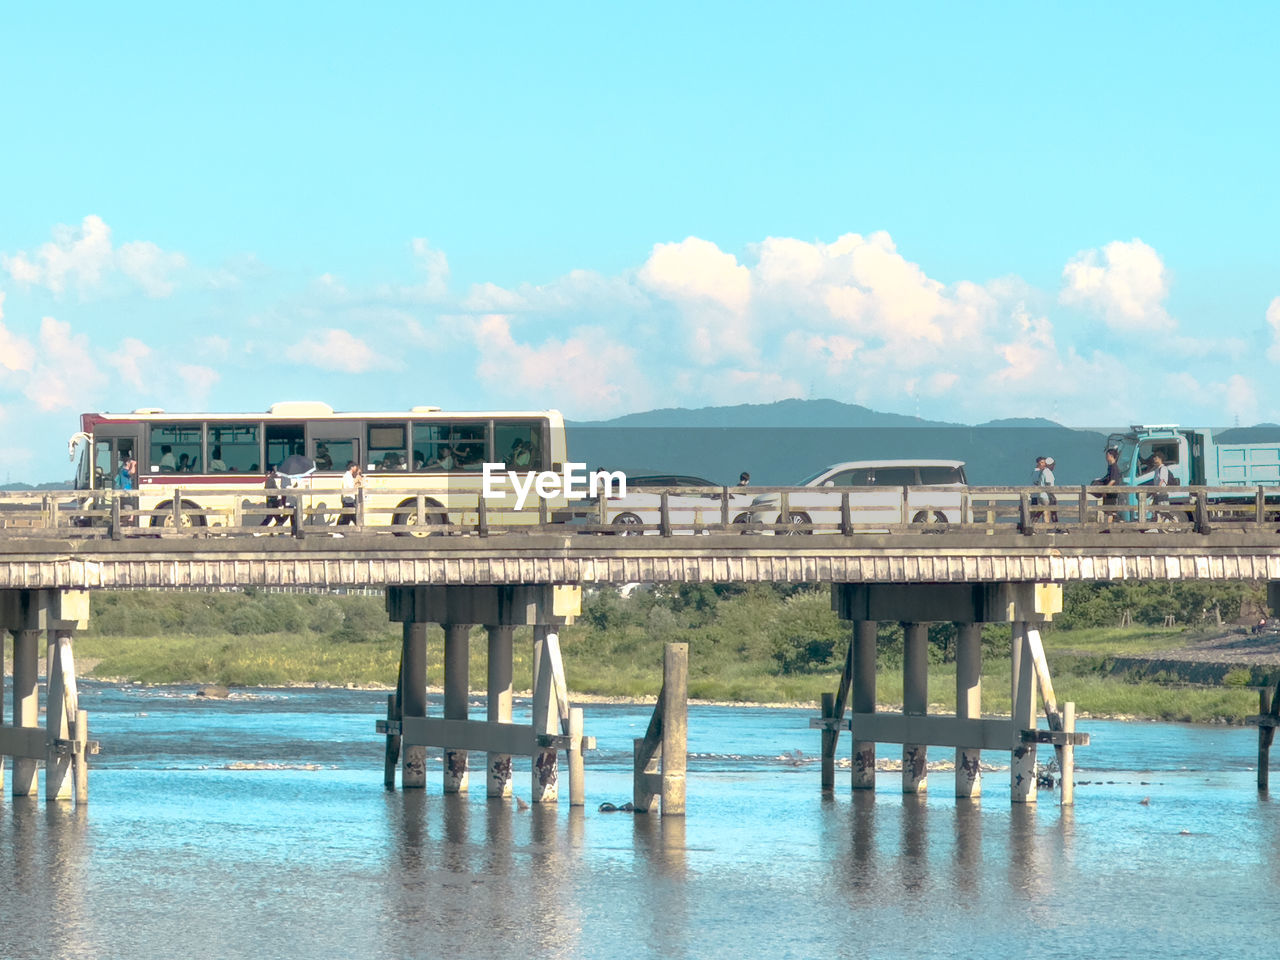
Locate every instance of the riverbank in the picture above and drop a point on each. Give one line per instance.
(1087, 668)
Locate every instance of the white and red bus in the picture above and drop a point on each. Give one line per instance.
(423, 457)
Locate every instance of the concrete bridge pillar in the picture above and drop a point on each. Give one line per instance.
(969, 706)
(864, 701)
(915, 702)
(500, 609)
(1023, 605)
(457, 689)
(63, 745)
(498, 779)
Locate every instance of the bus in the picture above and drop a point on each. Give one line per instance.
(420, 465)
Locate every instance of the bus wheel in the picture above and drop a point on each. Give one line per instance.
(188, 520)
(437, 520)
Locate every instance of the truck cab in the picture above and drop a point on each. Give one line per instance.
(1182, 451)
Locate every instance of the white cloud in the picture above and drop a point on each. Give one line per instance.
(66, 374)
(128, 360)
(83, 257)
(590, 369)
(1124, 282)
(198, 381)
(337, 350)
(1273, 321)
(1241, 399)
(696, 272)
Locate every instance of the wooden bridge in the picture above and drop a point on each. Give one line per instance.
(1006, 561)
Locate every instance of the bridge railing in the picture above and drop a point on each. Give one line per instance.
(668, 511)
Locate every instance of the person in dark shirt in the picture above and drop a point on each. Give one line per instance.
(1111, 478)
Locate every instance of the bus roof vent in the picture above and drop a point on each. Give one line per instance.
(300, 408)
(424, 409)
(149, 410)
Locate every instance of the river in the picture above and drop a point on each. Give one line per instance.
(182, 852)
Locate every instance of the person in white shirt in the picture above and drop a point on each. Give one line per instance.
(352, 481)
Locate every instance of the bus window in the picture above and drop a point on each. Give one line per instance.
(467, 440)
(428, 445)
(283, 440)
(174, 443)
(441, 447)
(518, 444)
(386, 447)
(234, 448)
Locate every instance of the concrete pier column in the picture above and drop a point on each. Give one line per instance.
(915, 702)
(26, 704)
(546, 764)
(413, 701)
(457, 688)
(1022, 766)
(864, 701)
(498, 778)
(969, 706)
(60, 691)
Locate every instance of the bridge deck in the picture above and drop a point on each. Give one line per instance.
(209, 560)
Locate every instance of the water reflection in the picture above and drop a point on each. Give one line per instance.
(46, 878)
(661, 854)
(967, 863)
(913, 868)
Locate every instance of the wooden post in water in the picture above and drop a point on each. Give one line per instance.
(833, 710)
(413, 700)
(498, 777)
(1022, 765)
(1067, 764)
(829, 740)
(1268, 717)
(969, 706)
(675, 726)
(546, 764)
(577, 768)
(864, 701)
(26, 705)
(661, 755)
(457, 688)
(915, 702)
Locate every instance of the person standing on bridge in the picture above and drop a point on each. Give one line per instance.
(352, 482)
(127, 480)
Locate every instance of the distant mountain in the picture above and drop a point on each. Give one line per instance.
(54, 485)
(783, 413)
(1258, 433)
(783, 442)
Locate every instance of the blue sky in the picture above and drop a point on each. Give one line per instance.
(965, 211)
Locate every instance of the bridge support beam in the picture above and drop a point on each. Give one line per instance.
(915, 702)
(63, 744)
(1022, 605)
(500, 669)
(555, 726)
(457, 688)
(969, 706)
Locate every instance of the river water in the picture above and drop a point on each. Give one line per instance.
(182, 852)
